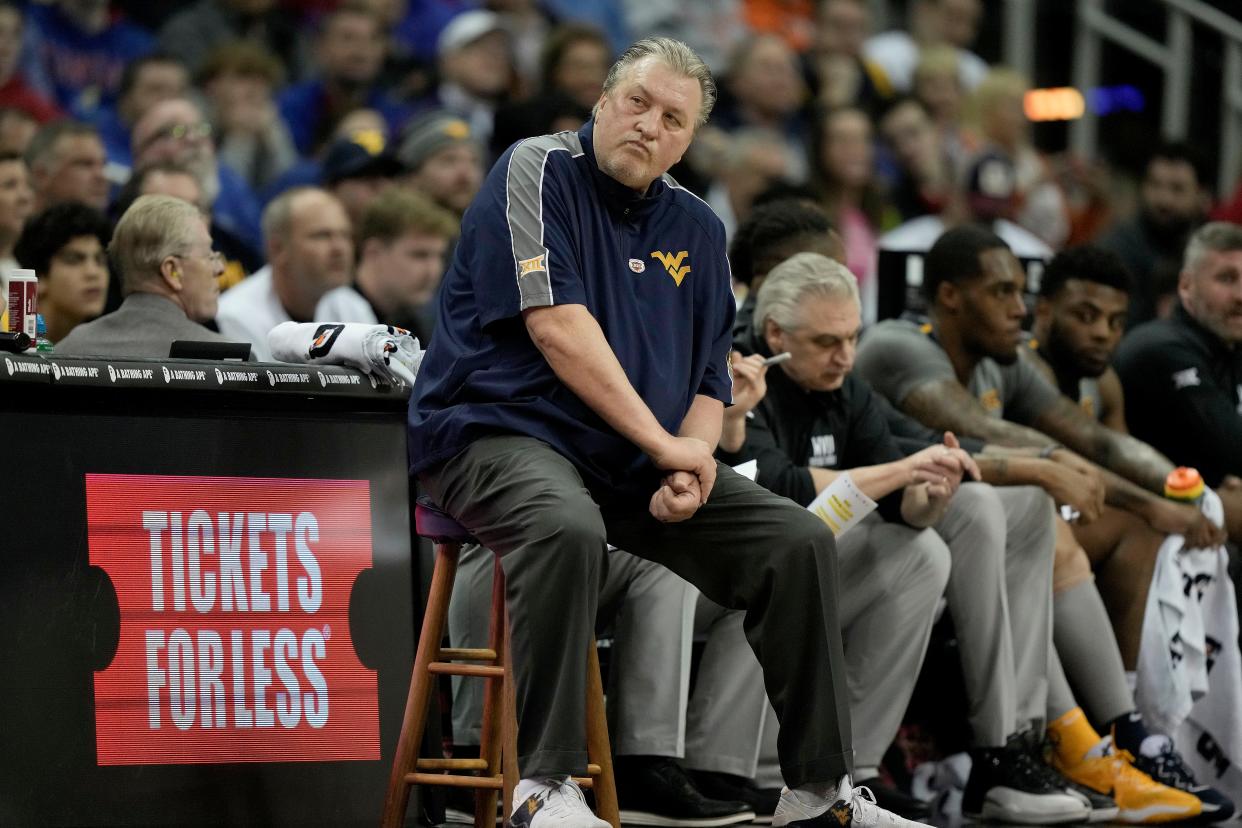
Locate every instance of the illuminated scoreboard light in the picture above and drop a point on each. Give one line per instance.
(1065, 103)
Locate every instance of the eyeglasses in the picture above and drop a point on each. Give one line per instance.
(214, 257)
(181, 132)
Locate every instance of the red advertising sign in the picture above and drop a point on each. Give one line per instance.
(235, 642)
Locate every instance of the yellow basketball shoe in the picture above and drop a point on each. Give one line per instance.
(1084, 756)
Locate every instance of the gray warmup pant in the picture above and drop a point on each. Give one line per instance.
(1001, 603)
(892, 580)
(1004, 664)
(746, 548)
(650, 611)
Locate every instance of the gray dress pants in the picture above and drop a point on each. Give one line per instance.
(650, 612)
(746, 549)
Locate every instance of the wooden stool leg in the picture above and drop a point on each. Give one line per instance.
(422, 684)
(493, 706)
(510, 726)
(599, 751)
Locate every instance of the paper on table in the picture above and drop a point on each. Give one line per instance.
(842, 505)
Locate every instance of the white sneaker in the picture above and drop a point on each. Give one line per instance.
(851, 808)
(552, 803)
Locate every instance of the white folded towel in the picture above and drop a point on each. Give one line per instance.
(389, 353)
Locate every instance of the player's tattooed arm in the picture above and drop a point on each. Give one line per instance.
(1130, 458)
(943, 404)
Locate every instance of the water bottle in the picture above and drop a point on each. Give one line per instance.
(43, 345)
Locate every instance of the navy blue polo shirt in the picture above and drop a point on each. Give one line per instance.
(549, 228)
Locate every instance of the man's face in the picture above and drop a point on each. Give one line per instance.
(352, 49)
(842, 27)
(319, 251)
(74, 171)
(176, 184)
(409, 268)
(199, 271)
(1212, 293)
(451, 177)
(646, 123)
(156, 82)
(1085, 321)
(991, 309)
(16, 197)
(483, 67)
(175, 132)
(823, 344)
(76, 283)
(1171, 195)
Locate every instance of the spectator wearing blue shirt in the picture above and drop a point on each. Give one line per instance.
(349, 55)
(572, 397)
(82, 50)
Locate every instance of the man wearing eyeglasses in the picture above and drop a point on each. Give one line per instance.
(175, 130)
(168, 271)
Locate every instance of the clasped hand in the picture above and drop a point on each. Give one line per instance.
(691, 475)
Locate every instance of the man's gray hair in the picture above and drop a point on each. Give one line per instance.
(1216, 236)
(152, 229)
(675, 55)
(791, 283)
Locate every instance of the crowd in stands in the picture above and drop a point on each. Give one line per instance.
(252, 162)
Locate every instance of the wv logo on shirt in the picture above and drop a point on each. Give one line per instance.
(824, 451)
(672, 263)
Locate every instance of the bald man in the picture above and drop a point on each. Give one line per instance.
(310, 250)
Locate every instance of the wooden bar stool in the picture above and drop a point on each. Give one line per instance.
(495, 770)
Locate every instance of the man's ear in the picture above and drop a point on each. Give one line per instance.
(774, 335)
(1185, 285)
(170, 271)
(949, 296)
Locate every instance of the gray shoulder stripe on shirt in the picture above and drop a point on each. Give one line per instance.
(524, 213)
